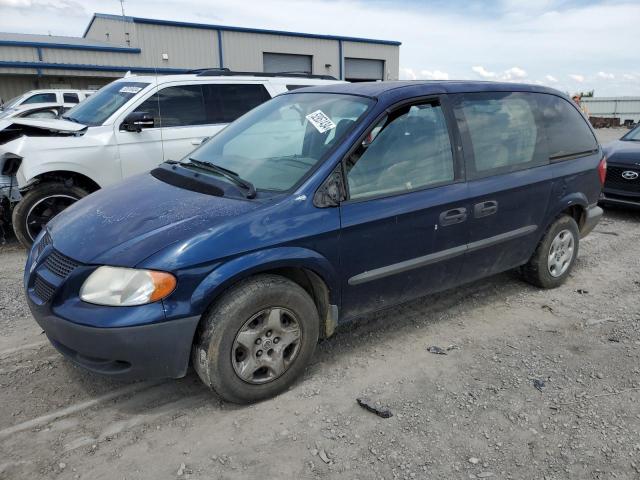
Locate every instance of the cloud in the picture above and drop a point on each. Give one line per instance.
(513, 73)
(606, 76)
(434, 75)
(509, 75)
(536, 37)
(15, 3)
(483, 72)
(551, 79)
(407, 74)
(628, 76)
(410, 74)
(577, 78)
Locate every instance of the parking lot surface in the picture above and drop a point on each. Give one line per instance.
(534, 384)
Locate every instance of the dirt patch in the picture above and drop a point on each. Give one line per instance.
(533, 384)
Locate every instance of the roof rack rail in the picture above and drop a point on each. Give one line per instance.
(207, 69)
(225, 72)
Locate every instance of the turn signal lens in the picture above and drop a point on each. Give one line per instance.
(164, 284)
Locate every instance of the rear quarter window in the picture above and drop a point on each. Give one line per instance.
(500, 133)
(567, 131)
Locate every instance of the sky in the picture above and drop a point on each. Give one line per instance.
(571, 45)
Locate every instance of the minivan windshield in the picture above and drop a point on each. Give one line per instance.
(102, 104)
(276, 144)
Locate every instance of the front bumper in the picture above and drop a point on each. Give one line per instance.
(158, 350)
(632, 201)
(125, 342)
(591, 219)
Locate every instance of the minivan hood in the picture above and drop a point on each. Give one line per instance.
(124, 224)
(623, 151)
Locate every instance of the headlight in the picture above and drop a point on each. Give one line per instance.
(125, 287)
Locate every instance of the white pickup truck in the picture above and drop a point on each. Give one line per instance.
(127, 127)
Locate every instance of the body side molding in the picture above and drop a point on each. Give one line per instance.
(438, 256)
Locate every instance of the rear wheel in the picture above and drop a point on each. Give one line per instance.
(555, 255)
(39, 205)
(257, 339)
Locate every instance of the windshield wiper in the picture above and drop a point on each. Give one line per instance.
(229, 174)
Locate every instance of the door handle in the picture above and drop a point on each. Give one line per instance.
(484, 209)
(453, 216)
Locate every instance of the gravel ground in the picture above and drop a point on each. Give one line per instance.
(534, 385)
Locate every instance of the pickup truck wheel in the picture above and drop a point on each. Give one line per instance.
(257, 339)
(555, 255)
(39, 205)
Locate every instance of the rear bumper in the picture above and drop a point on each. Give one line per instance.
(592, 217)
(159, 350)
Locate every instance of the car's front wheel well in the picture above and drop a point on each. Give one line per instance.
(312, 283)
(317, 289)
(69, 179)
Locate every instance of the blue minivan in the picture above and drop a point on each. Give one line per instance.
(320, 206)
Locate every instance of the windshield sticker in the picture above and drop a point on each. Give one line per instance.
(319, 120)
(130, 89)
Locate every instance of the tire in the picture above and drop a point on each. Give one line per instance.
(226, 344)
(58, 194)
(546, 273)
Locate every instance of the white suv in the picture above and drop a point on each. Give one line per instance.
(127, 127)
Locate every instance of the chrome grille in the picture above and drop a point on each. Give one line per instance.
(616, 181)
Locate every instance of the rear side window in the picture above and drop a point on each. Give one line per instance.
(408, 150)
(70, 98)
(568, 134)
(500, 133)
(41, 98)
(225, 103)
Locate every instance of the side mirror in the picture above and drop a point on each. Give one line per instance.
(136, 121)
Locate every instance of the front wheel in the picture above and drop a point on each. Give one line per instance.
(257, 339)
(555, 255)
(39, 205)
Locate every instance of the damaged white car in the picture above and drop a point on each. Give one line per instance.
(127, 127)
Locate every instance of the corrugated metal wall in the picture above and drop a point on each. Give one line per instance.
(390, 54)
(625, 108)
(244, 51)
(187, 47)
(14, 85)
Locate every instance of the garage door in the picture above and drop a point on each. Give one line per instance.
(363, 69)
(286, 62)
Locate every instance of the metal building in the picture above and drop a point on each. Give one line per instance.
(624, 108)
(112, 45)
